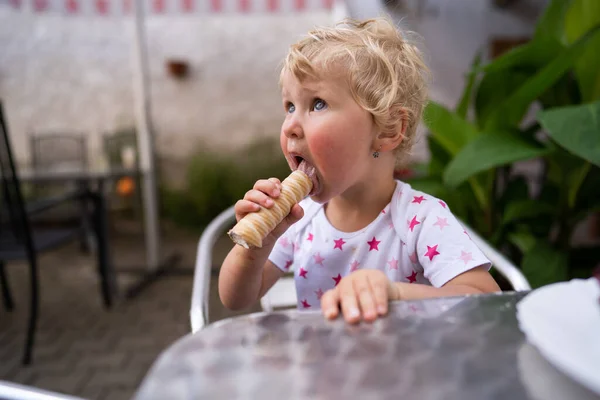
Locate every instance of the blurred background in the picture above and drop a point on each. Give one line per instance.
(171, 110)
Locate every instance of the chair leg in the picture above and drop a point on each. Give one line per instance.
(101, 228)
(6, 296)
(33, 311)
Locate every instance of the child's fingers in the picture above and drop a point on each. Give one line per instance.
(330, 303)
(276, 181)
(268, 186)
(258, 197)
(349, 302)
(243, 207)
(380, 293)
(366, 300)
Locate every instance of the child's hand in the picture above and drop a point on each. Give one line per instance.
(363, 293)
(262, 195)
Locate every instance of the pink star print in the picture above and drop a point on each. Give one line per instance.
(319, 293)
(354, 266)
(442, 203)
(303, 272)
(318, 259)
(391, 225)
(284, 242)
(310, 237)
(442, 223)
(418, 199)
(465, 256)
(288, 264)
(431, 252)
(305, 304)
(383, 211)
(413, 223)
(337, 279)
(338, 244)
(413, 257)
(413, 277)
(296, 246)
(373, 244)
(393, 263)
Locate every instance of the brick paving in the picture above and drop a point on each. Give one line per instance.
(82, 349)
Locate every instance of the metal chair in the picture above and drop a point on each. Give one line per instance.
(283, 293)
(20, 241)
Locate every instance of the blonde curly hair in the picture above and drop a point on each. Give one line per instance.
(386, 74)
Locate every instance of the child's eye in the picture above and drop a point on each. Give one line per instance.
(290, 108)
(319, 105)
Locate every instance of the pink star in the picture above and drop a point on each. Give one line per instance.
(431, 252)
(393, 263)
(310, 237)
(383, 211)
(442, 203)
(305, 304)
(319, 293)
(466, 256)
(354, 266)
(338, 244)
(413, 277)
(284, 242)
(442, 223)
(296, 246)
(413, 257)
(418, 199)
(391, 225)
(413, 223)
(318, 259)
(337, 279)
(288, 264)
(373, 244)
(303, 272)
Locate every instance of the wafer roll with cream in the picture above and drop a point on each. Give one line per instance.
(251, 230)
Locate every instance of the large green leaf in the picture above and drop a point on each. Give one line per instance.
(582, 16)
(523, 240)
(489, 151)
(575, 128)
(447, 128)
(510, 112)
(494, 88)
(551, 23)
(543, 265)
(465, 98)
(525, 209)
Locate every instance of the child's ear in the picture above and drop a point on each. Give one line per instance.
(390, 140)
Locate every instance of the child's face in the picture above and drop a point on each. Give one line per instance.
(327, 128)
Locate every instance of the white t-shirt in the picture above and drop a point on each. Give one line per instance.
(414, 239)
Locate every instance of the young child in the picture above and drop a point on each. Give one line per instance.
(353, 96)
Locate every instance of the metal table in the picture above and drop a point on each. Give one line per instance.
(450, 348)
(95, 179)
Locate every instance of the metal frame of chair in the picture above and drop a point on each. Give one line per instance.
(19, 241)
(283, 293)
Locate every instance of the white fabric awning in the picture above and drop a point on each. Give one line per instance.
(125, 7)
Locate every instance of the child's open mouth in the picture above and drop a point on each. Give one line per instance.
(299, 163)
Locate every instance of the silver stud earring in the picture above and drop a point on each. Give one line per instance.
(376, 153)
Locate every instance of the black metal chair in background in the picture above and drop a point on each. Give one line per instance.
(19, 240)
(54, 151)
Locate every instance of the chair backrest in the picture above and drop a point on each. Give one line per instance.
(54, 150)
(14, 222)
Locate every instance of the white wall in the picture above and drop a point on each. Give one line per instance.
(75, 74)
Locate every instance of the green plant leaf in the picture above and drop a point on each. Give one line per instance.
(488, 151)
(465, 98)
(447, 128)
(543, 265)
(582, 16)
(551, 23)
(523, 240)
(533, 54)
(510, 112)
(525, 209)
(575, 128)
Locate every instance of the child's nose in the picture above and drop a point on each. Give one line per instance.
(292, 128)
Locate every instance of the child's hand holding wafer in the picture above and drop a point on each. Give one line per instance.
(263, 197)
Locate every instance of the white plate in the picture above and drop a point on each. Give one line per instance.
(562, 321)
